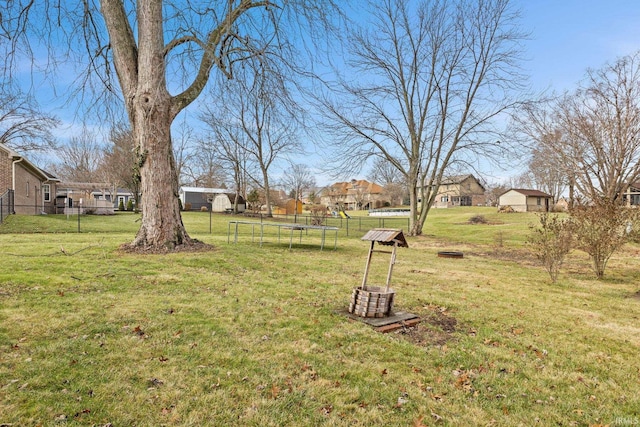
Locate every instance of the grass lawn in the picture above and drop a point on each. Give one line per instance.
(253, 335)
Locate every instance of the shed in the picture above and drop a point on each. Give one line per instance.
(525, 200)
(224, 203)
(197, 197)
(293, 207)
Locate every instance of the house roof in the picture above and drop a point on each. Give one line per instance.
(528, 192)
(85, 186)
(203, 190)
(232, 196)
(354, 185)
(14, 155)
(457, 179)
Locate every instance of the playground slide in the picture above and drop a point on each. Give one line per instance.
(344, 215)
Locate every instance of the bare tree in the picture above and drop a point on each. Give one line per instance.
(205, 169)
(158, 79)
(183, 146)
(230, 149)
(432, 76)
(298, 179)
(23, 126)
(80, 158)
(392, 181)
(119, 162)
(493, 191)
(593, 132)
(259, 104)
(545, 172)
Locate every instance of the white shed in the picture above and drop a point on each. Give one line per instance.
(524, 200)
(224, 203)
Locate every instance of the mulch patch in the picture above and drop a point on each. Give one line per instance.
(436, 328)
(193, 246)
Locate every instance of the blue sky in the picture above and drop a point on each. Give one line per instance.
(565, 38)
(569, 36)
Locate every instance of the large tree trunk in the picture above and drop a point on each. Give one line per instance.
(151, 112)
(162, 226)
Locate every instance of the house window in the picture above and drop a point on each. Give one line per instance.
(46, 192)
(539, 201)
(28, 188)
(444, 199)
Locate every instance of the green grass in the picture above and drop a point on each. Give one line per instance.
(251, 336)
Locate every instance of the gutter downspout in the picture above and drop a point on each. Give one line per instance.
(13, 178)
(13, 171)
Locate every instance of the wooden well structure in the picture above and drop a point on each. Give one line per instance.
(377, 301)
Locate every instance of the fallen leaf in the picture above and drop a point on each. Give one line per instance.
(418, 422)
(275, 391)
(326, 410)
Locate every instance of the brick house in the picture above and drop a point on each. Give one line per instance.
(33, 190)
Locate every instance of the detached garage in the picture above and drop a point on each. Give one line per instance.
(522, 200)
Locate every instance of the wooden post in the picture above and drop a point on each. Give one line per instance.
(393, 261)
(366, 268)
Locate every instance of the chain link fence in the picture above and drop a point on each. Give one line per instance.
(7, 206)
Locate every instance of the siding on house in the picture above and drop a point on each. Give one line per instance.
(460, 190)
(28, 183)
(525, 200)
